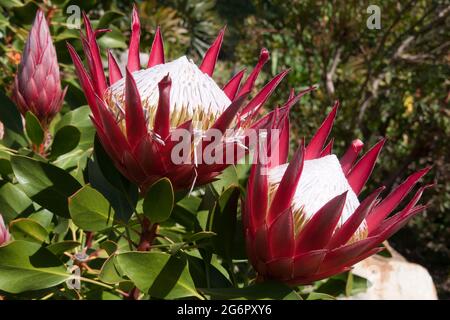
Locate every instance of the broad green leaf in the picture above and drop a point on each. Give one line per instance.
(103, 176)
(190, 203)
(66, 35)
(109, 246)
(158, 274)
(43, 217)
(9, 4)
(107, 18)
(5, 158)
(223, 222)
(12, 121)
(349, 284)
(25, 266)
(158, 202)
(114, 39)
(9, 115)
(320, 296)
(206, 275)
(66, 139)
(200, 236)
(343, 284)
(109, 273)
(359, 284)
(13, 201)
(185, 213)
(34, 129)
(226, 179)
(59, 248)
(90, 210)
(79, 118)
(28, 230)
(47, 185)
(264, 290)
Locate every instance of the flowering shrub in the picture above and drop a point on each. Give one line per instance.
(169, 184)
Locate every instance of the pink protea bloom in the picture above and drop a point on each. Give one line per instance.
(37, 85)
(4, 233)
(303, 220)
(136, 115)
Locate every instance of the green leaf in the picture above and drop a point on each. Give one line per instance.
(349, 284)
(28, 230)
(79, 118)
(5, 164)
(158, 202)
(9, 115)
(25, 266)
(320, 296)
(200, 236)
(223, 222)
(13, 201)
(9, 4)
(226, 179)
(109, 272)
(206, 275)
(103, 176)
(64, 246)
(159, 274)
(109, 246)
(66, 139)
(34, 129)
(107, 18)
(114, 39)
(43, 217)
(264, 290)
(90, 210)
(47, 185)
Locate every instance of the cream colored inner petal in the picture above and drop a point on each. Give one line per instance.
(193, 95)
(321, 180)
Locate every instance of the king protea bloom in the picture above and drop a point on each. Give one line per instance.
(4, 234)
(37, 85)
(137, 114)
(303, 220)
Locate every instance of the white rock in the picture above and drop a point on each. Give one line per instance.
(394, 279)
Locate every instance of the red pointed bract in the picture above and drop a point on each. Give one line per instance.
(211, 55)
(134, 63)
(157, 50)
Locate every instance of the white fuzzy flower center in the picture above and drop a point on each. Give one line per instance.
(193, 95)
(321, 180)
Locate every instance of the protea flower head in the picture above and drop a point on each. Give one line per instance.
(303, 220)
(137, 115)
(37, 86)
(4, 234)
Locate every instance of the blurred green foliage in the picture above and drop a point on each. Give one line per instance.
(392, 82)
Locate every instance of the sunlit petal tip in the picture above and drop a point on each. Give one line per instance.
(133, 51)
(256, 103)
(232, 86)
(114, 71)
(250, 82)
(157, 50)
(317, 143)
(209, 61)
(349, 157)
(361, 171)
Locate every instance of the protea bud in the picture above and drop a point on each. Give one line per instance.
(136, 115)
(4, 233)
(303, 220)
(37, 86)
